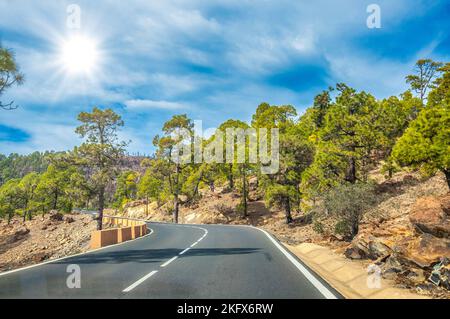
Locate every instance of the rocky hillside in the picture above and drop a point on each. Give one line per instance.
(406, 233)
(41, 239)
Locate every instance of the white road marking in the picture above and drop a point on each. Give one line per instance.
(137, 283)
(140, 281)
(316, 283)
(184, 251)
(76, 255)
(169, 261)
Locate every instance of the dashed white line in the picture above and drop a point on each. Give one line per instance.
(184, 251)
(140, 281)
(169, 261)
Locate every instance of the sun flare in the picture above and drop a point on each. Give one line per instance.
(79, 55)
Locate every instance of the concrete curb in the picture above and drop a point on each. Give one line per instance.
(347, 277)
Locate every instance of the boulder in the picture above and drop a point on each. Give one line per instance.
(391, 268)
(416, 276)
(19, 234)
(355, 253)
(56, 216)
(69, 220)
(423, 251)
(368, 247)
(431, 215)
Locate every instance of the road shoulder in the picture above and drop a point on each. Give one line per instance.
(347, 277)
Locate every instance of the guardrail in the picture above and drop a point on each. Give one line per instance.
(127, 229)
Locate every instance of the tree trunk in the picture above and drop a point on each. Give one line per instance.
(287, 209)
(355, 228)
(197, 184)
(176, 202)
(146, 206)
(351, 173)
(25, 212)
(55, 201)
(447, 177)
(230, 176)
(244, 192)
(101, 206)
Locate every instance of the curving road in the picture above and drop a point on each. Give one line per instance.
(177, 261)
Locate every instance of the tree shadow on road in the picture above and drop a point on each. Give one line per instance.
(152, 255)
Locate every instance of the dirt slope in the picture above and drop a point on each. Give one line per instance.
(54, 236)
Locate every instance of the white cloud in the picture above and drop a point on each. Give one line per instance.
(151, 104)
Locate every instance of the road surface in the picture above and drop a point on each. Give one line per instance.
(175, 261)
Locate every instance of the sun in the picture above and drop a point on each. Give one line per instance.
(79, 55)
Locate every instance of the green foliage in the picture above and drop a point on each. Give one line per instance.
(150, 187)
(348, 203)
(17, 166)
(426, 71)
(426, 143)
(101, 153)
(126, 188)
(318, 227)
(10, 199)
(9, 75)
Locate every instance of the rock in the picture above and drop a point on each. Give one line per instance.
(355, 253)
(56, 216)
(431, 215)
(69, 220)
(391, 268)
(440, 275)
(18, 235)
(40, 257)
(409, 180)
(416, 276)
(423, 251)
(370, 247)
(425, 288)
(378, 249)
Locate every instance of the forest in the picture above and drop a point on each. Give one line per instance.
(326, 154)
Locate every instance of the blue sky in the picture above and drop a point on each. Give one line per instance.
(213, 60)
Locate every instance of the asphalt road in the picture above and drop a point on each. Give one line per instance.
(176, 261)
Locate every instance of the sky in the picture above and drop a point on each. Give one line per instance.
(211, 60)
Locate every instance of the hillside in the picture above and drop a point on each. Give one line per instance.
(43, 238)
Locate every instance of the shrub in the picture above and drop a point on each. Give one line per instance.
(348, 203)
(318, 227)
